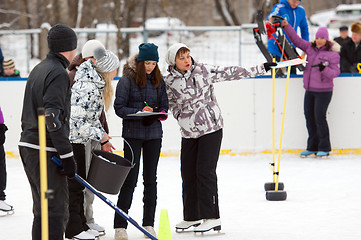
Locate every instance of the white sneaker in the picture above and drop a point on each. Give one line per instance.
(209, 224)
(187, 224)
(120, 234)
(151, 230)
(97, 227)
(83, 236)
(5, 207)
(93, 232)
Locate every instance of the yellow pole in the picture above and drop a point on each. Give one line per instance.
(273, 122)
(283, 123)
(43, 175)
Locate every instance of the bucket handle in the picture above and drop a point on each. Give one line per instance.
(131, 149)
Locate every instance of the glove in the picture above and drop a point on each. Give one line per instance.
(3, 129)
(268, 65)
(69, 167)
(321, 66)
(163, 117)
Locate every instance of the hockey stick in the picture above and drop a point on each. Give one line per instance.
(106, 200)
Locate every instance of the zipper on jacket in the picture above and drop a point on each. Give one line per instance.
(211, 112)
(194, 86)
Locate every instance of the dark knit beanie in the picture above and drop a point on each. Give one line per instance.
(62, 38)
(148, 52)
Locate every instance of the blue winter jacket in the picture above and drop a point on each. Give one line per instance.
(128, 100)
(295, 16)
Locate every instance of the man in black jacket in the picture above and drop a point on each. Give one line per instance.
(48, 86)
(351, 50)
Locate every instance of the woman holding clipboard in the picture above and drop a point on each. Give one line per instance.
(141, 89)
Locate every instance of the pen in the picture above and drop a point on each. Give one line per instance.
(146, 103)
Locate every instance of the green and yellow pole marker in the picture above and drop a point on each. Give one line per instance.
(43, 175)
(279, 195)
(271, 185)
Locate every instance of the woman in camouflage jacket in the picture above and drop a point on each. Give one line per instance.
(193, 103)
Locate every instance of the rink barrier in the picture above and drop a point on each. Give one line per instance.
(224, 152)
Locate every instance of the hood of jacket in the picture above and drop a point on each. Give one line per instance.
(86, 73)
(130, 67)
(76, 62)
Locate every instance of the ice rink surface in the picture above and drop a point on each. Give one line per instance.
(323, 203)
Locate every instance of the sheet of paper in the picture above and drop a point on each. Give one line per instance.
(144, 114)
(292, 62)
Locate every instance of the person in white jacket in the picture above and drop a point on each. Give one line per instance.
(87, 102)
(193, 104)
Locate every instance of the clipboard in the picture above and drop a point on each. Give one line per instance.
(145, 114)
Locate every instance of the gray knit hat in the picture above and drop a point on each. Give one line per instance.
(108, 63)
(172, 52)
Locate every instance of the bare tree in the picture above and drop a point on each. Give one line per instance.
(226, 9)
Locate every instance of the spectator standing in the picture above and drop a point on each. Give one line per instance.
(321, 69)
(90, 92)
(343, 36)
(351, 50)
(141, 88)
(295, 14)
(193, 104)
(88, 52)
(9, 69)
(4, 207)
(48, 87)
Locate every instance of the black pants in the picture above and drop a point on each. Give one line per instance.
(199, 157)
(315, 108)
(77, 220)
(151, 152)
(57, 205)
(2, 173)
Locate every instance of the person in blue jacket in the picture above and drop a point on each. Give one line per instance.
(295, 15)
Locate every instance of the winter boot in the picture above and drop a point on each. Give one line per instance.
(151, 230)
(307, 153)
(120, 234)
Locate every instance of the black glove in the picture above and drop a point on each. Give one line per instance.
(268, 65)
(69, 167)
(3, 129)
(321, 66)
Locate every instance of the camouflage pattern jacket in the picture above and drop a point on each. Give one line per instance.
(191, 95)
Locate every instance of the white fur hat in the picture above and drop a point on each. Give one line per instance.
(93, 48)
(172, 52)
(108, 63)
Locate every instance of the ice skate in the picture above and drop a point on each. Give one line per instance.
(322, 154)
(84, 236)
(5, 209)
(96, 227)
(209, 224)
(307, 153)
(187, 224)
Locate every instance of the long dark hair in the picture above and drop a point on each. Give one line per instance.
(328, 45)
(141, 77)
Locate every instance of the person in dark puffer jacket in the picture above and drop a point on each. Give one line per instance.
(141, 88)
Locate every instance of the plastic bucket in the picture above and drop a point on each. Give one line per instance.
(108, 171)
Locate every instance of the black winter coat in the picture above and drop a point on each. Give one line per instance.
(48, 86)
(350, 57)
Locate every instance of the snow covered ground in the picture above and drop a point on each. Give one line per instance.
(323, 200)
